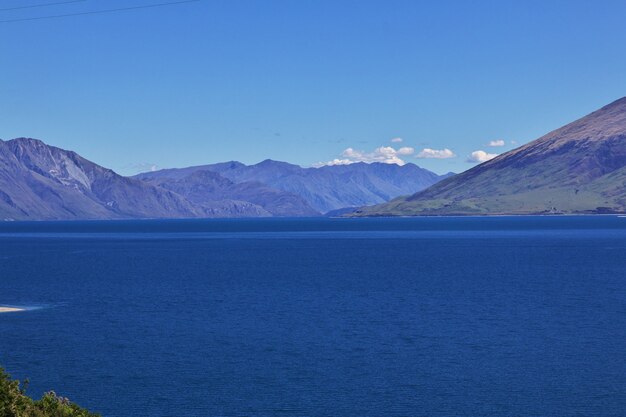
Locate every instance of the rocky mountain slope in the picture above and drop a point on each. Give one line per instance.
(41, 182)
(579, 168)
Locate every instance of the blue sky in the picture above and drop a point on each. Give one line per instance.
(302, 81)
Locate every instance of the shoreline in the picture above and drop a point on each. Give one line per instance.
(4, 309)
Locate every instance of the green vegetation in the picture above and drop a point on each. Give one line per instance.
(15, 403)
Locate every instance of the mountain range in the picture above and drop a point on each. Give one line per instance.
(577, 169)
(42, 182)
(324, 189)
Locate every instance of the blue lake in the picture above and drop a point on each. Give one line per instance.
(500, 316)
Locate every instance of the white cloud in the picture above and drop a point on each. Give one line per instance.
(481, 156)
(396, 140)
(384, 154)
(514, 142)
(496, 143)
(333, 162)
(435, 153)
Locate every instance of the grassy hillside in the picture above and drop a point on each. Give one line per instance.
(577, 169)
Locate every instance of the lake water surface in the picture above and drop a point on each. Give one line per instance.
(500, 316)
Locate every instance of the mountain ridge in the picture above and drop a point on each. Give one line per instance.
(204, 186)
(326, 188)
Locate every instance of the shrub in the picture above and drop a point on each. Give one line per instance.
(15, 403)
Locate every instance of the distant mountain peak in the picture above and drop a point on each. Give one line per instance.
(234, 164)
(272, 162)
(27, 140)
(28, 143)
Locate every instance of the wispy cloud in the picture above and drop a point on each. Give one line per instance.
(396, 140)
(140, 167)
(480, 156)
(384, 154)
(496, 143)
(428, 153)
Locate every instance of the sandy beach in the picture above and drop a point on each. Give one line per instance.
(10, 309)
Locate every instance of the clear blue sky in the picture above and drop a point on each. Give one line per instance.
(301, 81)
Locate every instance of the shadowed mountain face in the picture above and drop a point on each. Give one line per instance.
(205, 187)
(579, 168)
(324, 189)
(41, 182)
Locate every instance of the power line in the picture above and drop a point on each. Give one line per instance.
(145, 6)
(32, 6)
